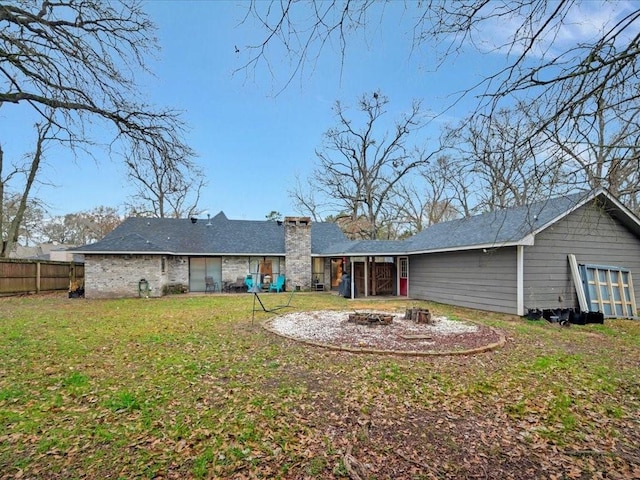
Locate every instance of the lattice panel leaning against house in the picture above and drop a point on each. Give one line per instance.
(609, 290)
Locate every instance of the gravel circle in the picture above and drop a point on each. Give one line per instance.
(331, 329)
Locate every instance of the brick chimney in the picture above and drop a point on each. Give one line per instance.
(297, 251)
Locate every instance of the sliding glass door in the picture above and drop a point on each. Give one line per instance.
(202, 267)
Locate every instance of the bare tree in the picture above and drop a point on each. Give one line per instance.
(506, 167)
(428, 198)
(359, 167)
(457, 181)
(74, 63)
(304, 200)
(166, 185)
(567, 80)
(30, 171)
(526, 31)
(28, 232)
(567, 77)
(81, 228)
(354, 228)
(599, 146)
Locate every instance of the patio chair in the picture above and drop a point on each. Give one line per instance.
(238, 285)
(278, 285)
(209, 285)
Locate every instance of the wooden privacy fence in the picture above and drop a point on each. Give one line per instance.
(27, 276)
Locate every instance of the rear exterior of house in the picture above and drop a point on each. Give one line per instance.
(516, 278)
(152, 257)
(506, 261)
(124, 275)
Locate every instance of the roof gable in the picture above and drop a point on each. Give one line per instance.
(512, 226)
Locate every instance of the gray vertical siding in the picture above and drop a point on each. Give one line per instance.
(474, 279)
(593, 237)
(487, 281)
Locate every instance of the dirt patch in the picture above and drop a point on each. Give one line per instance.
(332, 329)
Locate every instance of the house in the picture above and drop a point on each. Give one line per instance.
(161, 254)
(46, 251)
(507, 261)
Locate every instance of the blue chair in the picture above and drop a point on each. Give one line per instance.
(278, 285)
(250, 282)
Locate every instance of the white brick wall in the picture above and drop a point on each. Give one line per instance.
(178, 271)
(113, 276)
(234, 267)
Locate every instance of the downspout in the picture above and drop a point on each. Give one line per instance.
(520, 279)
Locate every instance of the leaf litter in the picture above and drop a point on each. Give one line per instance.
(216, 398)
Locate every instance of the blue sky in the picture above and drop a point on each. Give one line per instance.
(250, 142)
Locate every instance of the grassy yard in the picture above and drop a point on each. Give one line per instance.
(187, 387)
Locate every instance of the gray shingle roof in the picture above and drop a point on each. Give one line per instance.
(221, 236)
(217, 236)
(367, 247)
(502, 227)
(509, 226)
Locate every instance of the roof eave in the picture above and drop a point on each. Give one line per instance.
(528, 240)
(216, 254)
(361, 254)
(111, 252)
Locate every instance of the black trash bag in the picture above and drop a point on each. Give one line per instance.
(344, 289)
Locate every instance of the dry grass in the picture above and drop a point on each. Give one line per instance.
(189, 387)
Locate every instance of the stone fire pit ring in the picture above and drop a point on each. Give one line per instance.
(333, 330)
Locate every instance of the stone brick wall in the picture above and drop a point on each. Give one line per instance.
(297, 246)
(234, 267)
(178, 271)
(116, 276)
(113, 276)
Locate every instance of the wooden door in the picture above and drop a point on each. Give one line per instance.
(383, 279)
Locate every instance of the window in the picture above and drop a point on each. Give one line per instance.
(609, 290)
(318, 270)
(404, 267)
(163, 265)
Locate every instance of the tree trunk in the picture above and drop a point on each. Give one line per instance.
(14, 227)
(2, 242)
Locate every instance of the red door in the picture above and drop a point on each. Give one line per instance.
(404, 276)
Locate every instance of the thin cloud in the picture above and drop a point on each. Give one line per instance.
(585, 23)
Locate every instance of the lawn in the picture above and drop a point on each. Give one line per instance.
(189, 387)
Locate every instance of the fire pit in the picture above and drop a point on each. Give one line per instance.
(339, 330)
(370, 319)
